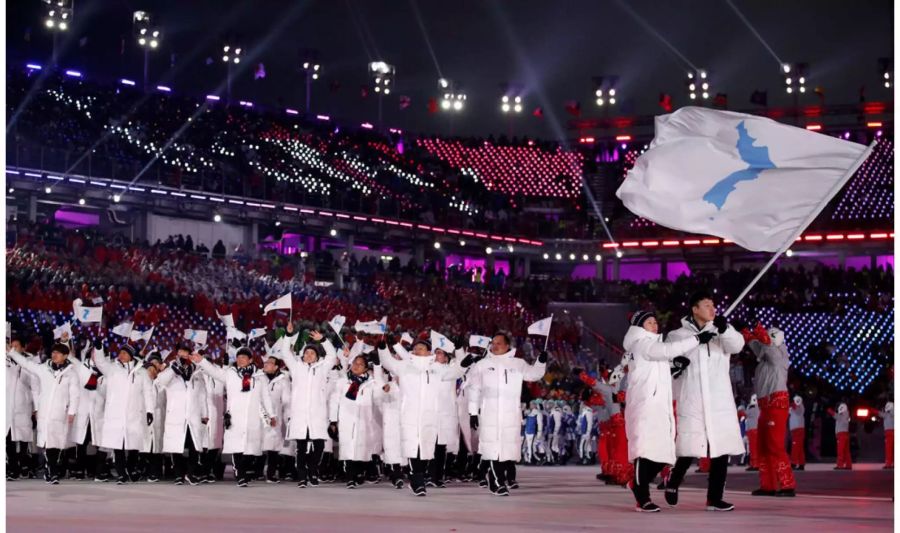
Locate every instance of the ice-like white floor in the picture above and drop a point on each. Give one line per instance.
(559, 499)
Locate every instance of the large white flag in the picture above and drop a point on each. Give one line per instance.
(86, 314)
(541, 327)
(372, 326)
(283, 302)
(141, 335)
(123, 329)
(197, 336)
(440, 342)
(256, 332)
(337, 323)
(741, 177)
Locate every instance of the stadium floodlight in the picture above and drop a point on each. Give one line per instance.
(698, 85)
(605, 90)
(148, 37)
(462, 242)
(333, 232)
(217, 218)
(794, 78)
(512, 103)
(437, 245)
(117, 198)
(309, 64)
(452, 98)
(884, 70)
(58, 15)
(382, 74)
(231, 56)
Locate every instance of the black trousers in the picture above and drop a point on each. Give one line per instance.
(126, 462)
(243, 465)
(356, 471)
(153, 463)
(417, 470)
(54, 464)
(718, 471)
(308, 461)
(438, 464)
(645, 472)
(498, 473)
(16, 456)
(186, 466)
(394, 472)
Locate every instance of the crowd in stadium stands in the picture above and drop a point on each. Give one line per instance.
(521, 186)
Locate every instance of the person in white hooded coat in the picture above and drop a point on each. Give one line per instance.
(214, 436)
(420, 378)
(273, 439)
(128, 412)
(22, 398)
(494, 391)
(88, 427)
(392, 451)
(352, 413)
(649, 419)
(248, 405)
(58, 404)
(186, 414)
(308, 406)
(708, 424)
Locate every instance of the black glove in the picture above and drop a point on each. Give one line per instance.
(473, 421)
(149, 419)
(705, 336)
(467, 361)
(33, 421)
(226, 420)
(235, 343)
(679, 365)
(542, 357)
(333, 431)
(382, 345)
(721, 323)
(98, 344)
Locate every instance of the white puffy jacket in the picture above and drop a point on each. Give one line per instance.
(247, 408)
(280, 393)
(186, 407)
(705, 401)
(308, 405)
(21, 401)
(59, 399)
(130, 396)
(649, 418)
(357, 436)
(494, 391)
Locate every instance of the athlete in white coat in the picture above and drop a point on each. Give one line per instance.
(273, 439)
(583, 429)
(448, 421)
(496, 386)
(649, 420)
(420, 377)
(57, 407)
(152, 454)
(214, 436)
(555, 433)
(187, 413)
(707, 416)
(248, 406)
(352, 414)
(308, 406)
(128, 412)
(88, 427)
(392, 451)
(22, 398)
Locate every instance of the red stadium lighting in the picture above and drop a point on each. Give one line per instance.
(650, 243)
(586, 140)
(623, 137)
(814, 127)
(862, 412)
(670, 243)
(835, 237)
(878, 236)
(813, 238)
(710, 241)
(873, 124)
(691, 242)
(610, 245)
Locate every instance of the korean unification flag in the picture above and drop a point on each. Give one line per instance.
(228, 319)
(141, 335)
(234, 333)
(337, 323)
(123, 329)
(197, 336)
(740, 177)
(541, 327)
(283, 302)
(406, 337)
(479, 341)
(256, 332)
(86, 314)
(440, 342)
(58, 332)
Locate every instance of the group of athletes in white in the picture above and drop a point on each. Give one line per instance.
(372, 408)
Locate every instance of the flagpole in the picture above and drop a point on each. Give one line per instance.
(812, 216)
(547, 339)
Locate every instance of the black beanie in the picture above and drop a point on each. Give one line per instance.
(639, 317)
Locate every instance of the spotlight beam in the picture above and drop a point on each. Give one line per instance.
(753, 30)
(418, 15)
(652, 31)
